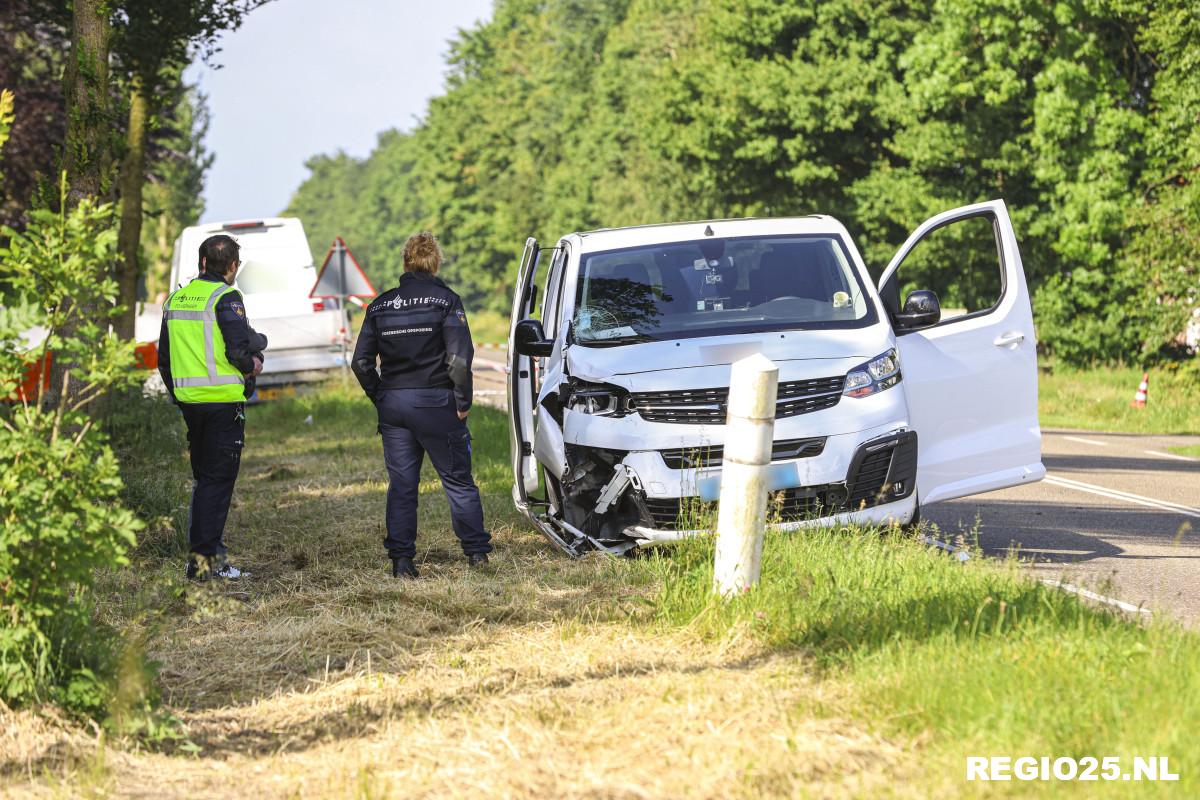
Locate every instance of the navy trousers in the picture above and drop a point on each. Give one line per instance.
(414, 422)
(215, 433)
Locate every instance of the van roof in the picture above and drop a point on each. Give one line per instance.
(642, 235)
(236, 225)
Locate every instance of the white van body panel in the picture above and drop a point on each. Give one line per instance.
(275, 279)
(971, 383)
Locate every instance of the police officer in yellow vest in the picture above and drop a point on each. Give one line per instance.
(208, 356)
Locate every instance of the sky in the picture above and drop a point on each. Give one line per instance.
(302, 77)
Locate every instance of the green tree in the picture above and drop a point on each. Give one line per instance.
(173, 196)
(1163, 258)
(88, 147)
(562, 115)
(155, 40)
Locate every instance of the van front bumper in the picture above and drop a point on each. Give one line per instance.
(864, 478)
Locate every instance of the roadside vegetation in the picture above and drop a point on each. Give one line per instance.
(865, 665)
(559, 116)
(1099, 399)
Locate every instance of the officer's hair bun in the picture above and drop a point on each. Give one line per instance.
(422, 253)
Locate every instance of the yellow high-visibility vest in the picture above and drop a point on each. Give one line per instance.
(199, 368)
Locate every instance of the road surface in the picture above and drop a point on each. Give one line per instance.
(1118, 514)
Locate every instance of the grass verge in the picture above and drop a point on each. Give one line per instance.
(1099, 400)
(864, 666)
(969, 660)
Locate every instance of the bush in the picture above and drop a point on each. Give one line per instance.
(60, 510)
(61, 519)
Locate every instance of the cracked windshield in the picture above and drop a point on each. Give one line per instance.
(717, 286)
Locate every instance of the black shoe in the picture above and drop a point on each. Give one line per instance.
(199, 568)
(477, 559)
(404, 568)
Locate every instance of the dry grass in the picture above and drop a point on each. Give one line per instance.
(323, 677)
(564, 710)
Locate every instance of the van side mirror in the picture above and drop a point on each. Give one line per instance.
(921, 309)
(529, 339)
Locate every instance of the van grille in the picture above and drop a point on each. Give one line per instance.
(882, 472)
(708, 456)
(707, 406)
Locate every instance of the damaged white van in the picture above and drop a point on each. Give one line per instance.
(617, 393)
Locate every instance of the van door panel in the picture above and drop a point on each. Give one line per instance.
(521, 382)
(971, 382)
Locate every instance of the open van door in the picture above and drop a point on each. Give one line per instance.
(521, 382)
(970, 374)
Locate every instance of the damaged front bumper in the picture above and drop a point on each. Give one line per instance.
(615, 501)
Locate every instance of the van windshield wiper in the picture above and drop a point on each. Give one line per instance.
(632, 338)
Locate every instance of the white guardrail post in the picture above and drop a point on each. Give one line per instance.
(749, 435)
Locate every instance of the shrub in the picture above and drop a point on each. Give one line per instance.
(60, 510)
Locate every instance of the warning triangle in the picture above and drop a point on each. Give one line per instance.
(341, 276)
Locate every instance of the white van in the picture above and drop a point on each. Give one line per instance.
(617, 393)
(276, 277)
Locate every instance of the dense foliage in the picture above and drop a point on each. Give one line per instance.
(34, 44)
(60, 515)
(565, 115)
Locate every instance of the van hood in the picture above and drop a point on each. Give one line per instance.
(794, 351)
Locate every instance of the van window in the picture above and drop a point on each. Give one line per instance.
(961, 263)
(552, 292)
(271, 258)
(718, 286)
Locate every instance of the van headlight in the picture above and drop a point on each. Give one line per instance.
(598, 399)
(881, 372)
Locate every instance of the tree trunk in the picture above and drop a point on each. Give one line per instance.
(87, 154)
(133, 172)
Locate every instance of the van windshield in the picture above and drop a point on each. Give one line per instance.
(718, 286)
(271, 259)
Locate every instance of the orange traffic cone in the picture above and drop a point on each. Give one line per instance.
(1139, 399)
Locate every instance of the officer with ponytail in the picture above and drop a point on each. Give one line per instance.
(208, 356)
(413, 359)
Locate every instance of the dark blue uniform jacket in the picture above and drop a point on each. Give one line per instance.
(418, 331)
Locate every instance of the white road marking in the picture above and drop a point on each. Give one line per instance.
(1161, 505)
(1085, 441)
(1099, 598)
(1169, 455)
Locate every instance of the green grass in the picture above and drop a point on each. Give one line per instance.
(863, 665)
(1099, 399)
(1186, 450)
(488, 327)
(975, 659)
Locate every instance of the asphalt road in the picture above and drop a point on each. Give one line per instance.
(1117, 515)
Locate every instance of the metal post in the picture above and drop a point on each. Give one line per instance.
(345, 314)
(749, 435)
